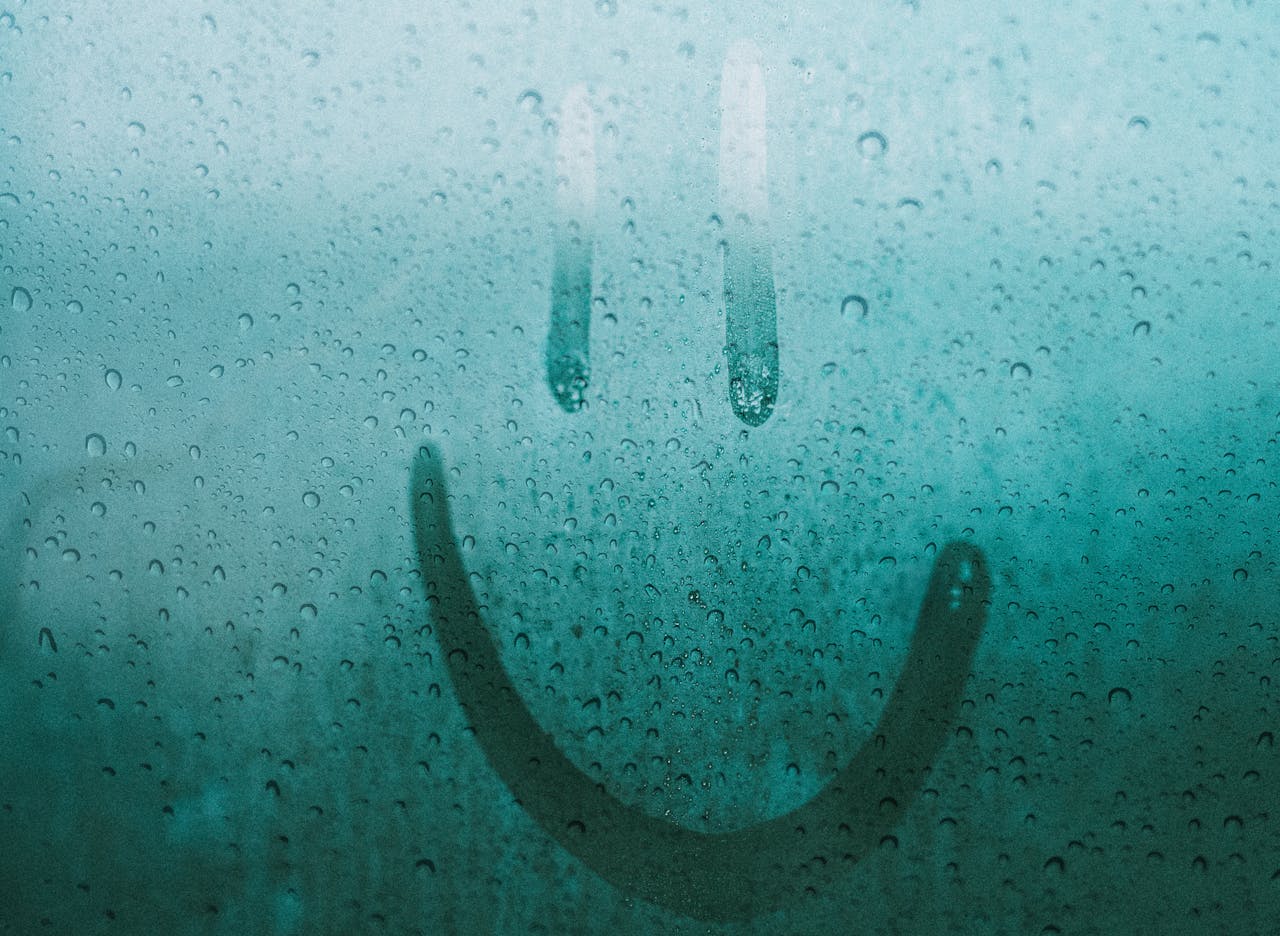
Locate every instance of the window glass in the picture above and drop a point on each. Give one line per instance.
(629, 467)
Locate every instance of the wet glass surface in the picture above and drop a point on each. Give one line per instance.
(619, 468)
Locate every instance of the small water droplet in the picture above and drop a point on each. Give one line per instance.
(872, 144)
(311, 499)
(20, 299)
(135, 130)
(95, 445)
(1139, 125)
(113, 379)
(530, 101)
(853, 307)
(1020, 371)
(1119, 696)
(1142, 328)
(1240, 575)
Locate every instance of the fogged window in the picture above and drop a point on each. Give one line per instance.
(617, 467)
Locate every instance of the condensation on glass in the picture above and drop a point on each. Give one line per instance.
(607, 468)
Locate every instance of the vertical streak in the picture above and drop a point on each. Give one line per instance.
(751, 316)
(568, 339)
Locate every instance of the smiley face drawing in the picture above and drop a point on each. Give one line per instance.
(743, 873)
(545, 468)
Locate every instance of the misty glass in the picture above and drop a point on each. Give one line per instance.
(621, 467)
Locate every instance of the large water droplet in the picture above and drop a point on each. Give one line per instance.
(113, 379)
(20, 299)
(95, 445)
(872, 144)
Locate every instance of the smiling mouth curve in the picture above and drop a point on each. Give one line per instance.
(719, 876)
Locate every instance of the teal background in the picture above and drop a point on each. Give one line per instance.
(310, 238)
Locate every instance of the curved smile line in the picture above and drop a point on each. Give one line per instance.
(712, 876)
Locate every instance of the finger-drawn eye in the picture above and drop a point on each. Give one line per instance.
(750, 303)
(568, 355)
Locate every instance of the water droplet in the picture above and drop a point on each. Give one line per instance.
(1240, 575)
(530, 101)
(1142, 328)
(246, 321)
(994, 167)
(135, 130)
(853, 307)
(1119, 696)
(95, 445)
(311, 499)
(872, 144)
(607, 8)
(20, 299)
(113, 379)
(1139, 125)
(1020, 371)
